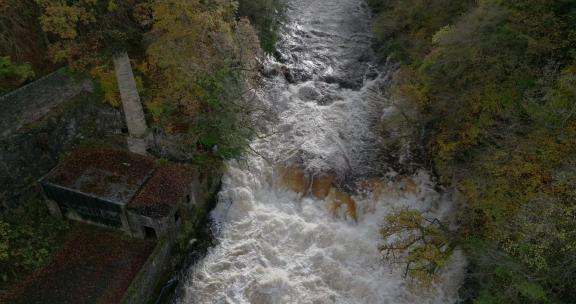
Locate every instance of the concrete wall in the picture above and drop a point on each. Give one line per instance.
(170, 251)
(158, 265)
(43, 120)
(161, 226)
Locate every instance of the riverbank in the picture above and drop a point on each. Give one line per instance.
(495, 83)
(33, 245)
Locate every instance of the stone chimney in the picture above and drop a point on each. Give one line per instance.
(135, 120)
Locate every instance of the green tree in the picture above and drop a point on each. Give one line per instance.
(404, 28)
(267, 17)
(28, 238)
(13, 75)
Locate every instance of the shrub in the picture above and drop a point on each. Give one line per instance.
(12, 74)
(28, 237)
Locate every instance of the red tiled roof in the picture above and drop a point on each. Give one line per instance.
(163, 190)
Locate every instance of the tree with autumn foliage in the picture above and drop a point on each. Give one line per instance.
(496, 84)
(421, 246)
(22, 44)
(81, 32)
(267, 17)
(201, 62)
(195, 59)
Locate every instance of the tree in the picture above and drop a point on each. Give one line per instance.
(201, 62)
(12, 74)
(80, 31)
(421, 245)
(266, 15)
(405, 28)
(495, 81)
(21, 36)
(28, 238)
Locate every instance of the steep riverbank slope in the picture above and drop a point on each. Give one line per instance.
(496, 83)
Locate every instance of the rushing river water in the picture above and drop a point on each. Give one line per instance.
(278, 246)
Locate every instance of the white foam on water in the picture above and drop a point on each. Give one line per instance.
(276, 247)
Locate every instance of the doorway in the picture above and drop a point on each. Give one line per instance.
(149, 232)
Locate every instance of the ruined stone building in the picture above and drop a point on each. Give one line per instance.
(120, 189)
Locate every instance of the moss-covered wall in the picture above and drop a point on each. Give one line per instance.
(42, 121)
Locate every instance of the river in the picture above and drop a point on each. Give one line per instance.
(276, 244)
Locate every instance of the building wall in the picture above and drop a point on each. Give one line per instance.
(137, 223)
(162, 226)
(63, 202)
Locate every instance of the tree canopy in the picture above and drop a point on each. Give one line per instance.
(496, 81)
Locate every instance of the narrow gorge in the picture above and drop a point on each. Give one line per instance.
(298, 220)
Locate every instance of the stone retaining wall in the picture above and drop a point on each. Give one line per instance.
(173, 247)
(33, 101)
(44, 119)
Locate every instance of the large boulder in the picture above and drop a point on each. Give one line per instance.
(321, 185)
(341, 204)
(407, 185)
(293, 178)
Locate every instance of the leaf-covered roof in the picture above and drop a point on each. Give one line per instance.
(110, 175)
(163, 190)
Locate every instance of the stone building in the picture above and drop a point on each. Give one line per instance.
(120, 189)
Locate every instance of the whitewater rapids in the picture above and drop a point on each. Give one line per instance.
(273, 246)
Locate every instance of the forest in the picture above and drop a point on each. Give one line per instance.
(495, 82)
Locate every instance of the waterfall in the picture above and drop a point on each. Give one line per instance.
(292, 222)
